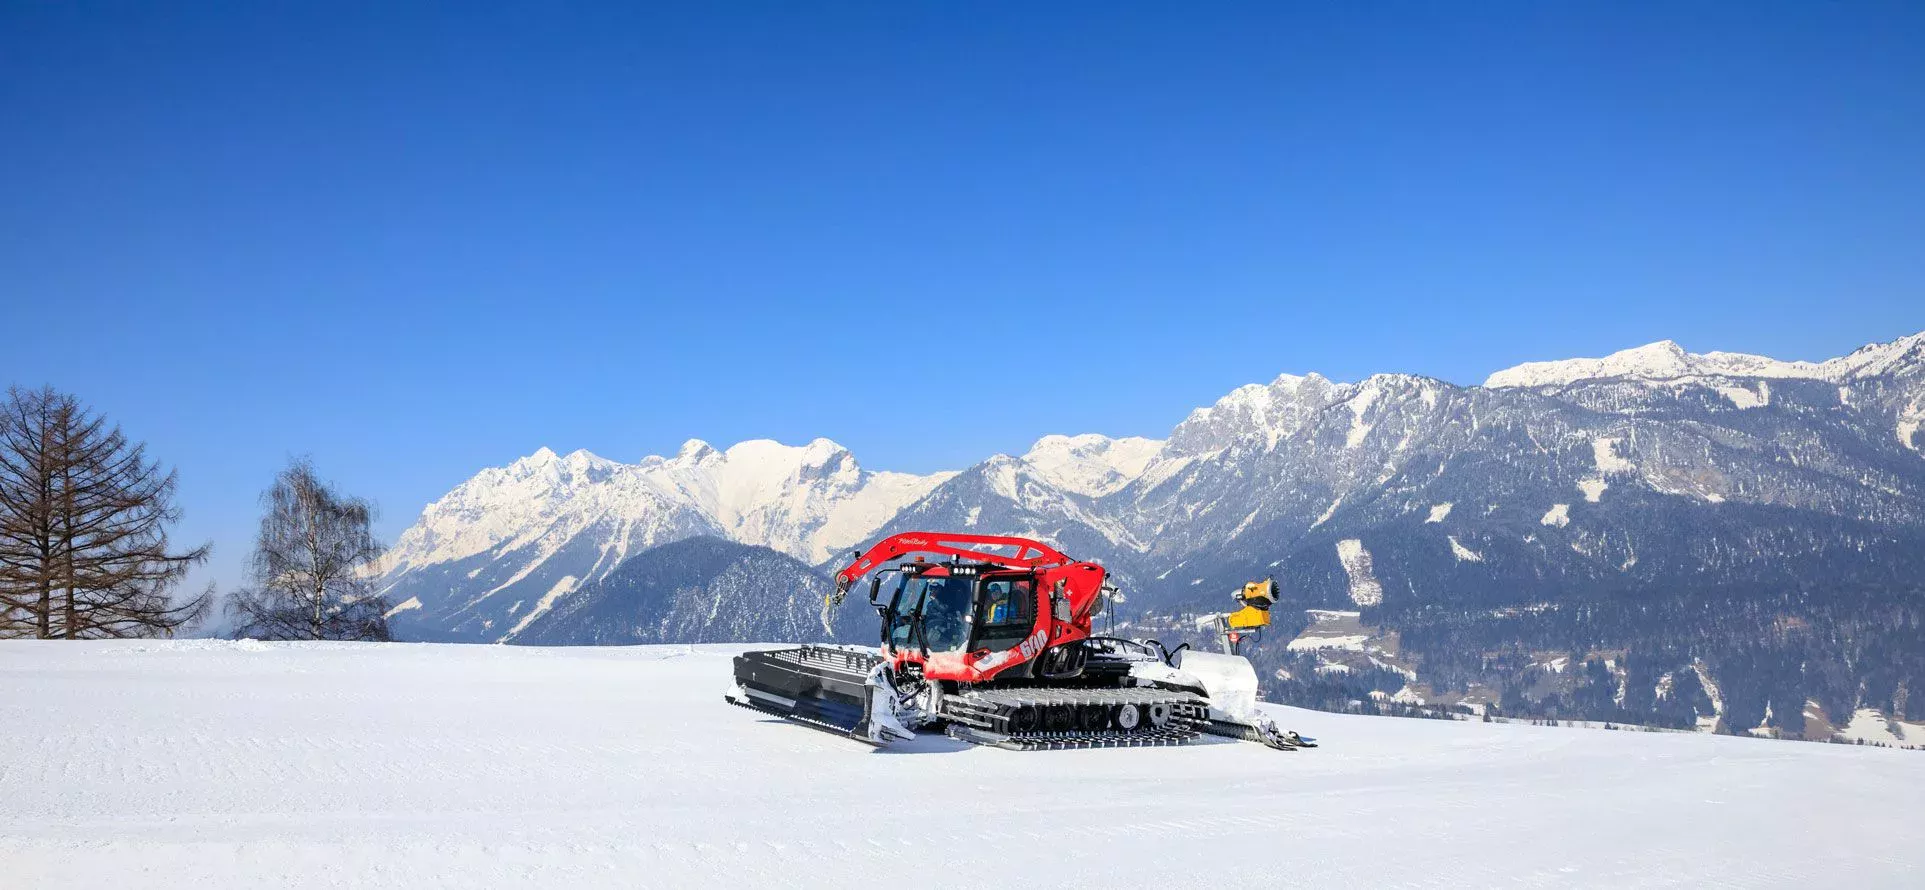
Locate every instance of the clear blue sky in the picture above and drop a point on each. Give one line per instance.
(414, 242)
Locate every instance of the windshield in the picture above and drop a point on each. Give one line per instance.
(945, 604)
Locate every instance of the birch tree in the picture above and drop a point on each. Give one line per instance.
(314, 564)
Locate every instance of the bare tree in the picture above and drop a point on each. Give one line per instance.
(314, 566)
(83, 527)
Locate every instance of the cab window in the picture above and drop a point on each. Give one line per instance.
(1008, 612)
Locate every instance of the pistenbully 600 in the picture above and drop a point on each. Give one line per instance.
(995, 646)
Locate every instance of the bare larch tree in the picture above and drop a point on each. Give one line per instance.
(314, 565)
(84, 517)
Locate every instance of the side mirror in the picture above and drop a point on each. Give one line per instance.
(875, 587)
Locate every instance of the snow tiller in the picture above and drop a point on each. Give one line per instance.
(994, 646)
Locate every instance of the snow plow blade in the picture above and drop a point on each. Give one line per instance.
(825, 687)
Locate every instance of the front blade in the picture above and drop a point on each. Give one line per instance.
(821, 686)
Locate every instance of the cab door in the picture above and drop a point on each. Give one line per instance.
(1006, 613)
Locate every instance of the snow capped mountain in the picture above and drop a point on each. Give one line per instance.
(1625, 453)
(1295, 452)
(1253, 412)
(1902, 357)
(542, 498)
(501, 549)
(1091, 464)
(1878, 377)
(1009, 495)
(807, 502)
(1666, 360)
(1278, 477)
(1662, 360)
(699, 590)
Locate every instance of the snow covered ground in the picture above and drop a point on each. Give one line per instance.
(212, 765)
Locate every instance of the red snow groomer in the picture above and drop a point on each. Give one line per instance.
(995, 645)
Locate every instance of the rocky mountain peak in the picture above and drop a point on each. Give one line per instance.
(1255, 415)
(695, 450)
(1091, 464)
(1666, 360)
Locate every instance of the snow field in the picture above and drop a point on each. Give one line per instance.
(212, 765)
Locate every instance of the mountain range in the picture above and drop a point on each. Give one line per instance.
(1651, 478)
(700, 590)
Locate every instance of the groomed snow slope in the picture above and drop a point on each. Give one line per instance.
(212, 765)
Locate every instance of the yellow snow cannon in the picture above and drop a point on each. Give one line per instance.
(1252, 615)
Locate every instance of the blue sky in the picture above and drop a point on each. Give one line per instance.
(416, 242)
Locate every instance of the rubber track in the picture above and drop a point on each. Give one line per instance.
(1060, 741)
(987, 717)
